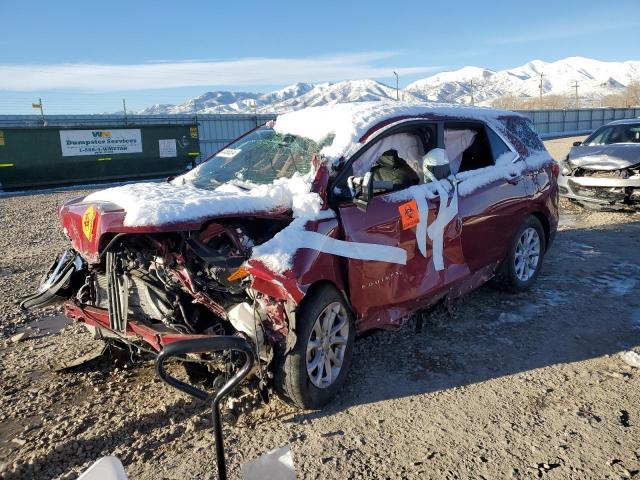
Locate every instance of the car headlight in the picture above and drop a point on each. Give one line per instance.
(565, 166)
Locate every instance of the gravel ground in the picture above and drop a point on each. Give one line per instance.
(559, 147)
(502, 386)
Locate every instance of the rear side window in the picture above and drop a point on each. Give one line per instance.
(501, 152)
(522, 135)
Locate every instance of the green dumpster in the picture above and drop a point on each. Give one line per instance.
(56, 156)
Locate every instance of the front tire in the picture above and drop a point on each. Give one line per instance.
(521, 267)
(310, 375)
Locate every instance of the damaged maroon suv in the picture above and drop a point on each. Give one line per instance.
(308, 231)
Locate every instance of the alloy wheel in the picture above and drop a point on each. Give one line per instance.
(527, 255)
(327, 345)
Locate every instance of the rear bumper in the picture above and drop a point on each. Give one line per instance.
(157, 338)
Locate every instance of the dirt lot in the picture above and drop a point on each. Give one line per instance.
(505, 386)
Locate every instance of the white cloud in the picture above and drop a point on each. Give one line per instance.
(247, 71)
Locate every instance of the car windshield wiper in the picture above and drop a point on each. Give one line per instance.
(241, 185)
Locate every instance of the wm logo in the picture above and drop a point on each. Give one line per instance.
(101, 134)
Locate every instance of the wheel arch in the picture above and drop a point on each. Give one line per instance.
(544, 221)
(317, 285)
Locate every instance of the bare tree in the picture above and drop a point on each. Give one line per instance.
(549, 101)
(629, 97)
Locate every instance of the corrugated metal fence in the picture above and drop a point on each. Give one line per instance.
(584, 120)
(216, 130)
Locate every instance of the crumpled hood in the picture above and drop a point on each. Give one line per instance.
(605, 157)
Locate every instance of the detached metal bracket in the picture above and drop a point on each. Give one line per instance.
(208, 345)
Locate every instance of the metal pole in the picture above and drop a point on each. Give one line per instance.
(575, 85)
(541, 87)
(397, 86)
(44, 122)
(124, 109)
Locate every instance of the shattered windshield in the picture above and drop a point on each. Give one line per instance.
(626, 133)
(259, 157)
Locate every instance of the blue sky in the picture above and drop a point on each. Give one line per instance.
(85, 57)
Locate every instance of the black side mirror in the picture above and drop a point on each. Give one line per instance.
(362, 190)
(577, 144)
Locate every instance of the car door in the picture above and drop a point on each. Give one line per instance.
(490, 210)
(381, 292)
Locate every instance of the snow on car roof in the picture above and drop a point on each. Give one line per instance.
(349, 122)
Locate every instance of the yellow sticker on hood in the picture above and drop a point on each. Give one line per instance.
(88, 222)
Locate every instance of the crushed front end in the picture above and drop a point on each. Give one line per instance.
(604, 169)
(599, 187)
(151, 288)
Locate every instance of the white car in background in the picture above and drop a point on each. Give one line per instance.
(604, 169)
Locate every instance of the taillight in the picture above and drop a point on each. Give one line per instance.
(555, 168)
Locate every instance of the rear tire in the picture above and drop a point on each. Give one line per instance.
(310, 375)
(521, 267)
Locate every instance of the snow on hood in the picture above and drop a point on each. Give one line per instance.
(147, 204)
(168, 203)
(605, 157)
(350, 121)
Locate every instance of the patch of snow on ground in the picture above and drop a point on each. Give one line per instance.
(551, 298)
(620, 280)
(509, 318)
(582, 249)
(543, 298)
(621, 286)
(631, 358)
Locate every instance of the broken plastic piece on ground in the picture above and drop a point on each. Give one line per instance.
(81, 360)
(107, 468)
(19, 337)
(277, 463)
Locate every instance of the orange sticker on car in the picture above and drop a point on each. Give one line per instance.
(409, 214)
(88, 222)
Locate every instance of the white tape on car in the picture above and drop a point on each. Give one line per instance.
(355, 250)
(447, 211)
(421, 228)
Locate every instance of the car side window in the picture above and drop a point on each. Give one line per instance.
(468, 146)
(615, 134)
(408, 145)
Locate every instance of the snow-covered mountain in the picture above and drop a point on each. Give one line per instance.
(298, 95)
(595, 80)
